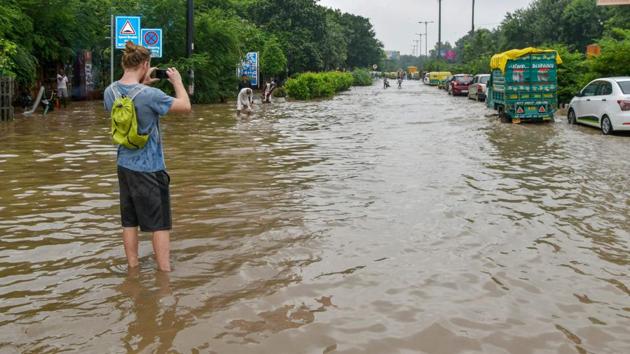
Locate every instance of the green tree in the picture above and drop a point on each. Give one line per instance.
(364, 50)
(272, 60)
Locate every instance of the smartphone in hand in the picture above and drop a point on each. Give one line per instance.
(160, 74)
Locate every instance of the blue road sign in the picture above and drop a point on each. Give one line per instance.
(127, 29)
(249, 67)
(151, 38)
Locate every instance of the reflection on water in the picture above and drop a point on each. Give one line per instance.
(379, 221)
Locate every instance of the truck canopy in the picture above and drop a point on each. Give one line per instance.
(499, 61)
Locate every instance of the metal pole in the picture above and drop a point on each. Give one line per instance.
(190, 46)
(426, 36)
(111, 56)
(439, 53)
(473, 17)
(419, 44)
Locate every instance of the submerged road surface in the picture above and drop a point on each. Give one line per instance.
(380, 221)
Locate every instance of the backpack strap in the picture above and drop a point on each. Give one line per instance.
(131, 94)
(136, 91)
(116, 91)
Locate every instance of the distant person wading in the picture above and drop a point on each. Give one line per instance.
(144, 183)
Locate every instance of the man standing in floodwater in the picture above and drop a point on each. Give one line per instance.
(144, 182)
(62, 87)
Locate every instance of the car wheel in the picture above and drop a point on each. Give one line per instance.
(571, 117)
(607, 127)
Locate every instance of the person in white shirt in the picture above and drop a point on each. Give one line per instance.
(62, 87)
(244, 101)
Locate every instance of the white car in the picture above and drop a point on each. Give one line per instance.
(603, 103)
(477, 88)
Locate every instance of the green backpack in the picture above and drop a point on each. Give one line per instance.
(125, 121)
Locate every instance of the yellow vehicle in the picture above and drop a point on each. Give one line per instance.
(436, 77)
(412, 73)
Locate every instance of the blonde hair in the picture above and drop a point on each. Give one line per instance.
(134, 55)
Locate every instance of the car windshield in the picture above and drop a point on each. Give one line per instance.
(625, 87)
(484, 79)
(464, 79)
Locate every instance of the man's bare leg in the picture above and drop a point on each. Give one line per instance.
(162, 249)
(130, 239)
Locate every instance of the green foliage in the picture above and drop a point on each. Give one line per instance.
(615, 53)
(280, 92)
(273, 62)
(571, 74)
(7, 51)
(217, 38)
(361, 77)
(318, 85)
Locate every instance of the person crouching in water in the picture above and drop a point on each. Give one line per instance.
(245, 101)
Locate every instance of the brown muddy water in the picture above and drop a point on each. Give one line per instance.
(398, 221)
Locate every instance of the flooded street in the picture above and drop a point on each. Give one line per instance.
(381, 221)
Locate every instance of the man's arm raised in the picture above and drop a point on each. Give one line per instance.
(181, 103)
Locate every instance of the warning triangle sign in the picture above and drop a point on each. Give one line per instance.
(128, 29)
(542, 109)
(520, 110)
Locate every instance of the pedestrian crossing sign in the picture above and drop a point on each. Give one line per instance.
(127, 29)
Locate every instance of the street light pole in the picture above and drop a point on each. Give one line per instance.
(426, 37)
(419, 43)
(439, 53)
(190, 46)
(473, 17)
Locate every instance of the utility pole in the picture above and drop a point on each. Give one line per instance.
(426, 37)
(190, 45)
(419, 44)
(439, 53)
(473, 17)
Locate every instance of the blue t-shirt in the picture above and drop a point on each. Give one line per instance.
(150, 103)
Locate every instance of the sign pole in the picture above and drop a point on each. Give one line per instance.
(111, 56)
(190, 46)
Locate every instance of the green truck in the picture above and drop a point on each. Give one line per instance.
(523, 85)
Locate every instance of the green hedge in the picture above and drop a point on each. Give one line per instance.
(318, 85)
(362, 77)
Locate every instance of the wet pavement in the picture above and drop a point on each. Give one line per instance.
(380, 221)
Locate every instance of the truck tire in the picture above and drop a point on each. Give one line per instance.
(503, 117)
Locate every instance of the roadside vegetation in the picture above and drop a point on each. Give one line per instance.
(292, 36)
(318, 85)
(362, 77)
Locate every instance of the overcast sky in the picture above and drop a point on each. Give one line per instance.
(396, 21)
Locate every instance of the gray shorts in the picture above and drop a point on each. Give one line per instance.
(62, 92)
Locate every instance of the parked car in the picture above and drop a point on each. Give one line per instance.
(459, 84)
(603, 103)
(444, 84)
(477, 88)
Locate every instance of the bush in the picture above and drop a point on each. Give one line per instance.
(280, 92)
(361, 77)
(318, 85)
